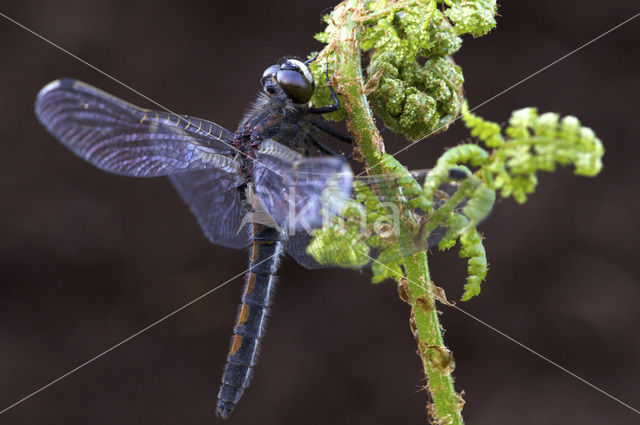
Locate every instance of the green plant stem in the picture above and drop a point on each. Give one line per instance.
(436, 359)
(349, 83)
(348, 73)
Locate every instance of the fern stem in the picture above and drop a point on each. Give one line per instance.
(348, 74)
(435, 357)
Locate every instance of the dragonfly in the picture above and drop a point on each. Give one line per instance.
(268, 186)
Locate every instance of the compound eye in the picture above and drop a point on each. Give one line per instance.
(296, 86)
(268, 80)
(271, 71)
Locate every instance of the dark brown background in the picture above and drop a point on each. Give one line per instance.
(88, 258)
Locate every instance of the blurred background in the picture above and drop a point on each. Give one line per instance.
(88, 258)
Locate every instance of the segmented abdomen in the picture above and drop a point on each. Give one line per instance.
(249, 326)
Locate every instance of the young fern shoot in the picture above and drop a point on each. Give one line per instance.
(414, 86)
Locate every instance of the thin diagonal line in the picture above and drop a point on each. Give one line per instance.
(124, 85)
(506, 336)
(546, 359)
(130, 337)
(134, 90)
(224, 283)
(511, 87)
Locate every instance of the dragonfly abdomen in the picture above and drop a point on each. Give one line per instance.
(249, 328)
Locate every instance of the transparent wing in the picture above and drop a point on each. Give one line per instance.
(214, 201)
(358, 224)
(298, 192)
(121, 138)
(124, 139)
(306, 195)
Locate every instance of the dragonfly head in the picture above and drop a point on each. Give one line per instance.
(292, 77)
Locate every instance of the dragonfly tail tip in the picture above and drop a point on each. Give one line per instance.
(224, 410)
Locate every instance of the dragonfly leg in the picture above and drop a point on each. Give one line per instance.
(308, 61)
(323, 148)
(330, 131)
(331, 108)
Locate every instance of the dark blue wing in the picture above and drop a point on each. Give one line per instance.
(124, 139)
(384, 211)
(121, 138)
(215, 202)
(300, 193)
